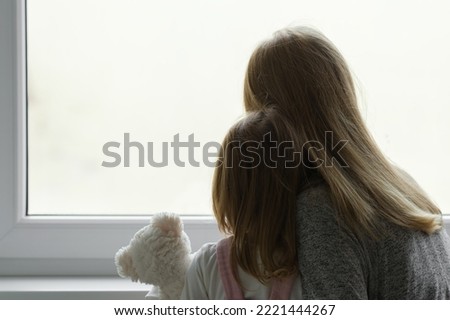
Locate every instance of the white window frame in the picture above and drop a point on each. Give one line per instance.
(52, 245)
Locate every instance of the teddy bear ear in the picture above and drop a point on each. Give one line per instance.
(168, 224)
(124, 264)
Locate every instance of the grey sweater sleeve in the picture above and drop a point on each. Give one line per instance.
(332, 262)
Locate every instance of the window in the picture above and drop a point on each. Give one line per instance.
(67, 227)
(111, 105)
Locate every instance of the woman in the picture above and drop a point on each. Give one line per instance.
(365, 229)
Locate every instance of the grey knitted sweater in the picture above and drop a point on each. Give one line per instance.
(335, 264)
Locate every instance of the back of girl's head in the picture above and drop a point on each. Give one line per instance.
(254, 193)
(301, 72)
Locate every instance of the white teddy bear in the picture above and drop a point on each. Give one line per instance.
(158, 254)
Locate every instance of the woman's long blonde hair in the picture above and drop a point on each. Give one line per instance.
(300, 72)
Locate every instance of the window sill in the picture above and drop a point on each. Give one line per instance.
(71, 288)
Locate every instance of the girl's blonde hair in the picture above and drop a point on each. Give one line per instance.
(300, 72)
(255, 187)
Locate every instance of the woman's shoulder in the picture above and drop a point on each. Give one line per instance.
(317, 192)
(402, 263)
(314, 204)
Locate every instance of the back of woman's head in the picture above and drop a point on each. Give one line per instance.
(302, 73)
(254, 194)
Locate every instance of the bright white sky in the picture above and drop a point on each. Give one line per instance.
(100, 68)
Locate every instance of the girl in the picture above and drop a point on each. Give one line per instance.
(255, 189)
(365, 229)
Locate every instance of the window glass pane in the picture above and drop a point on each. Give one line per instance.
(108, 71)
